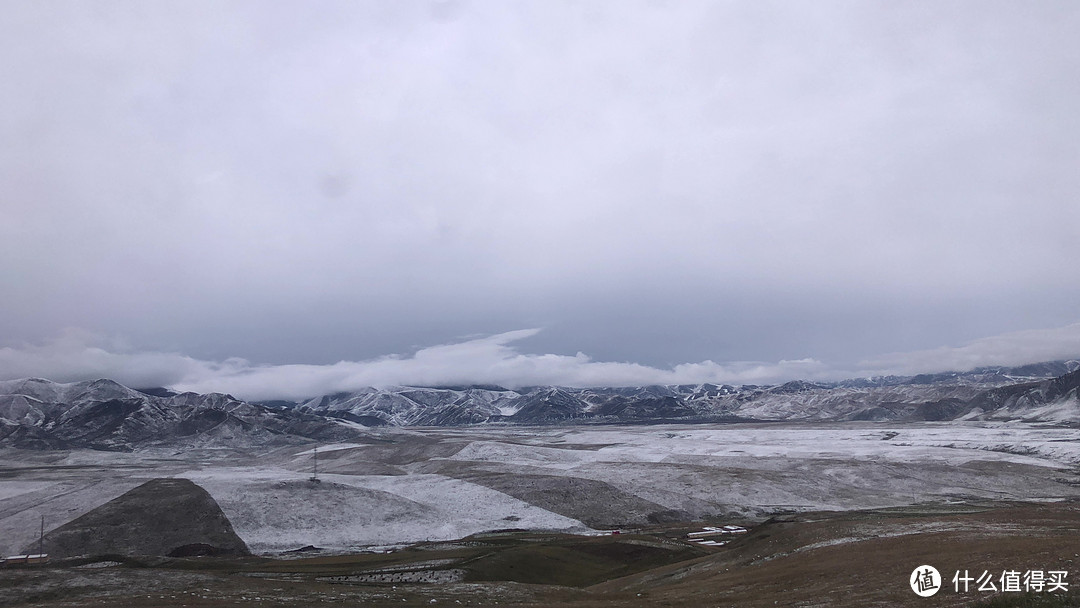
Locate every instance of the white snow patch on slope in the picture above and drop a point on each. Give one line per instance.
(11, 489)
(330, 448)
(276, 509)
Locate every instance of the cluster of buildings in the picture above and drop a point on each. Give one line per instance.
(708, 535)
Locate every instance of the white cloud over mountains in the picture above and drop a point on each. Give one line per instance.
(487, 360)
(1014, 348)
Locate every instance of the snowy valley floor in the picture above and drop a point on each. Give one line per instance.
(984, 493)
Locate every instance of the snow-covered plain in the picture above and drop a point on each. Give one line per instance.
(439, 484)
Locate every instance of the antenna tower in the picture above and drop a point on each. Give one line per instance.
(315, 466)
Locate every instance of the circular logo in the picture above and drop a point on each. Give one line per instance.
(925, 581)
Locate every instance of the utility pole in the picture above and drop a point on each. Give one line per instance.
(315, 466)
(41, 539)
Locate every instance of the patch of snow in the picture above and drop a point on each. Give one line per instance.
(11, 489)
(333, 447)
(275, 509)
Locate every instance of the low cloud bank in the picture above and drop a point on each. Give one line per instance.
(1015, 348)
(487, 360)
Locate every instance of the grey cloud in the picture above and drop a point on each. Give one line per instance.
(652, 182)
(79, 355)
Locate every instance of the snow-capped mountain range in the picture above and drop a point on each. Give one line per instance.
(927, 397)
(102, 414)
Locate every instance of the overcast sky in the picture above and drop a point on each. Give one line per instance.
(284, 198)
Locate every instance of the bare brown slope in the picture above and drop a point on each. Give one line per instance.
(865, 558)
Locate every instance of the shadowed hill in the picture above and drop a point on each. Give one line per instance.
(162, 517)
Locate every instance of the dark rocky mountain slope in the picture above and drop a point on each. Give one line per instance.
(103, 414)
(162, 517)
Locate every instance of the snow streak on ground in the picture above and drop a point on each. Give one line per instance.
(330, 448)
